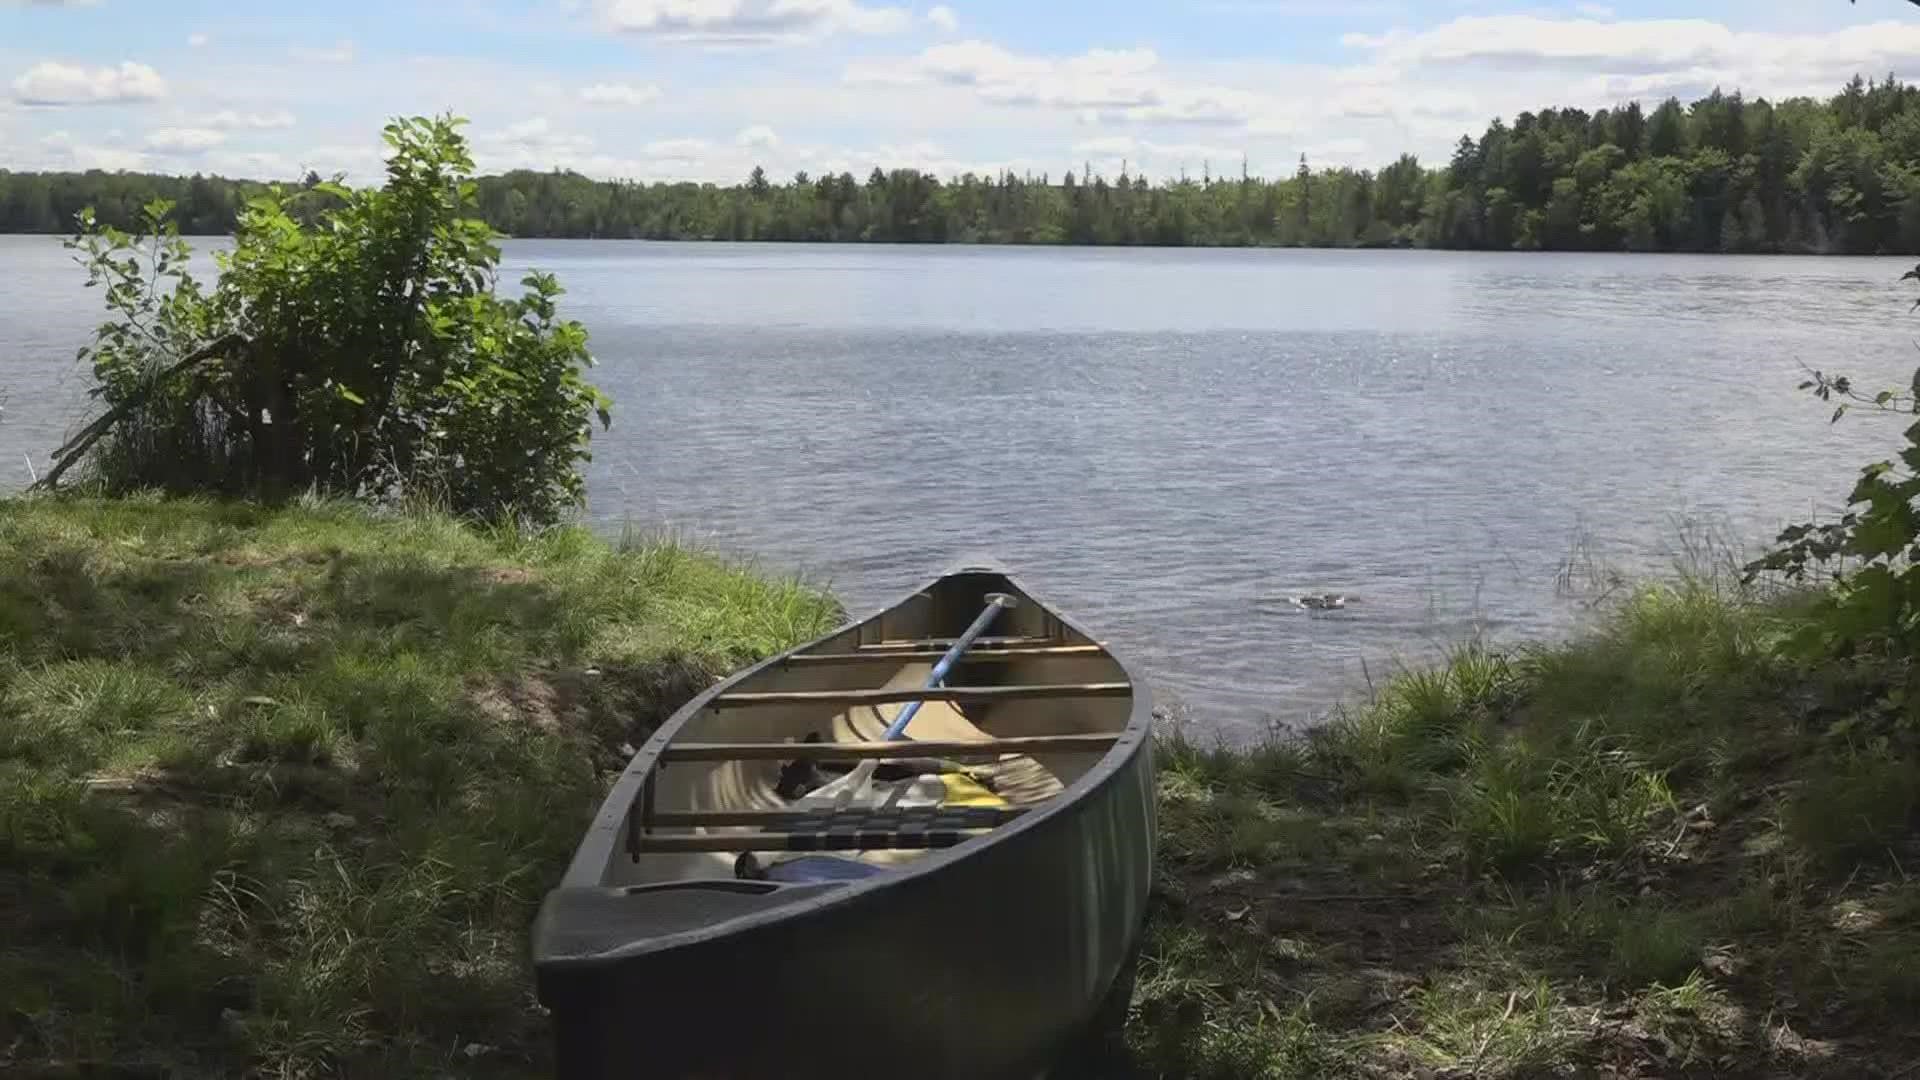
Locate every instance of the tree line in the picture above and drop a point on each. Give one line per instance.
(1723, 174)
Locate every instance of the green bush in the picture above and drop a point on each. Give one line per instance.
(1870, 551)
(353, 344)
(1856, 809)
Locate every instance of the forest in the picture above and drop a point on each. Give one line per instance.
(1726, 173)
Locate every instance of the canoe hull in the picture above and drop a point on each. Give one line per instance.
(913, 979)
(986, 960)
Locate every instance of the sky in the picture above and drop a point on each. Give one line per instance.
(706, 89)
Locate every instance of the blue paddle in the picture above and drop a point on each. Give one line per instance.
(996, 603)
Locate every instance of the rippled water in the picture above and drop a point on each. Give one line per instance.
(1163, 442)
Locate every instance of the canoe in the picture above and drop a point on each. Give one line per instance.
(745, 904)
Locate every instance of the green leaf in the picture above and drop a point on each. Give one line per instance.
(348, 395)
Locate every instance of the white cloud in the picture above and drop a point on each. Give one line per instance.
(53, 83)
(1127, 144)
(1344, 149)
(197, 41)
(357, 161)
(228, 120)
(1114, 145)
(184, 140)
(1594, 11)
(1685, 82)
(1404, 90)
(59, 150)
(538, 132)
(340, 52)
(1111, 153)
(750, 22)
(946, 103)
(619, 94)
(1436, 84)
(759, 135)
(533, 143)
(1651, 47)
(922, 154)
(1112, 85)
(253, 164)
(1387, 102)
(684, 151)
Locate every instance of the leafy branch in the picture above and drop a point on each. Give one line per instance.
(353, 343)
(76, 449)
(1872, 553)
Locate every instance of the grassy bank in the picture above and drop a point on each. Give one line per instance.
(281, 789)
(1662, 850)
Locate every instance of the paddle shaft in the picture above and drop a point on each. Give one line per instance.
(995, 604)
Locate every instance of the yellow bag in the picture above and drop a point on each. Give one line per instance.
(964, 790)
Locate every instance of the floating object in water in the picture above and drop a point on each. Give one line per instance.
(727, 907)
(1314, 601)
(1322, 601)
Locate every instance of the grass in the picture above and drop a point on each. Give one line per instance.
(281, 789)
(1666, 848)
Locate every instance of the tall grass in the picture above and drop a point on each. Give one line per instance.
(281, 788)
(1676, 825)
(1679, 844)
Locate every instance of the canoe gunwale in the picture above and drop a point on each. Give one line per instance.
(608, 833)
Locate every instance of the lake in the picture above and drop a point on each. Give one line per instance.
(1167, 443)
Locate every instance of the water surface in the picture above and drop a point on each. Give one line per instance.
(1164, 442)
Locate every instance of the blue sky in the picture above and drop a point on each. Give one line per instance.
(705, 89)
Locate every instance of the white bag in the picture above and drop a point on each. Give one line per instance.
(858, 790)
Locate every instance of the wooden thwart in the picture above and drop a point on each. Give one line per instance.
(941, 645)
(897, 694)
(845, 841)
(973, 655)
(850, 751)
(968, 817)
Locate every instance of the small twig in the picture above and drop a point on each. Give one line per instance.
(32, 473)
(1848, 884)
(77, 447)
(1673, 845)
